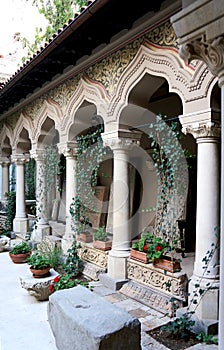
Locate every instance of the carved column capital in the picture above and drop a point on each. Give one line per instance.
(37, 154)
(121, 139)
(4, 161)
(68, 149)
(203, 130)
(20, 159)
(212, 53)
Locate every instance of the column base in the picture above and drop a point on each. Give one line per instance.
(40, 232)
(21, 225)
(111, 283)
(117, 266)
(206, 307)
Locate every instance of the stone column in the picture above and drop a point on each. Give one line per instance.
(207, 222)
(121, 142)
(20, 223)
(42, 228)
(70, 151)
(5, 177)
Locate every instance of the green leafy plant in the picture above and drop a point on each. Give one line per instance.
(65, 282)
(207, 338)
(73, 264)
(154, 246)
(52, 252)
(10, 212)
(180, 328)
(38, 261)
(20, 248)
(100, 234)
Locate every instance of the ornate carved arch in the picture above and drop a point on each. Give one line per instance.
(6, 131)
(25, 122)
(190, 82)
(90, 91)
(49, 109)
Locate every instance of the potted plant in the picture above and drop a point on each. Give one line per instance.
(39, 265)
(139, 249)
(101, 241)
(83, 229)
(20, 252)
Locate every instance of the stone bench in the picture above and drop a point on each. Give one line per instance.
(81, 319)
(38, 287)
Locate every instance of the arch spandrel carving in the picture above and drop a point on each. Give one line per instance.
(24, 122)
(165, 62)
(49, 109)
(89, 91)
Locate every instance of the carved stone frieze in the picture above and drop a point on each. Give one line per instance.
(20, 158)
(152, 298)
(93, 255)
(92, 271)
(212, 53)
(171, 284)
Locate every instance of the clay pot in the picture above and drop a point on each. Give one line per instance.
(41, 273)
(85, 237)
(102, 245)
(167, 263)
(19, 258)
(139, 256)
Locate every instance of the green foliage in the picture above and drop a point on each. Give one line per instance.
(180, 328)
(208, 339)
(73, 264)
(57, 13)
(20, 248)
(10, 212)
(90, 155)
(30, 179)
(154, 246)
(38, 261)
(66, 282)
(100, 234)
(51, 252)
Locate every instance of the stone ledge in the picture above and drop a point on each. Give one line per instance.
(80, 319)
(39, 288)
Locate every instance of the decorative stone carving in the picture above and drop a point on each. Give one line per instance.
(68, 149)
(173, 284)
(94, 256)
(201, 130)
(20, 159)
(92, 271)
(5, 243)
(39, 288)
(212, 53)
(152, 298)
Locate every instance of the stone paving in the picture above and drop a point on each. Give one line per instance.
(24, 323)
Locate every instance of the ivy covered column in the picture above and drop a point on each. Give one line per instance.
(5, 177)
(20, 223)
(42, 226)
(70, 151)
(121, 142)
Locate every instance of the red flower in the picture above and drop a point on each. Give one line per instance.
(56, 279)
(158, 248)
(51, 288)
(145, 248)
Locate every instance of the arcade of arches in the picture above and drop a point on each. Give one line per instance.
(126, 89)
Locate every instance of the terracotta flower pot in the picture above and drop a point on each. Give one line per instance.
(41, 273)
(167, 263)
(139, 256)
(19, 258)
(85, 237)
(102, 245)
